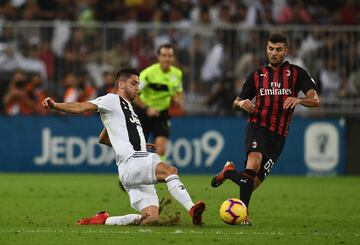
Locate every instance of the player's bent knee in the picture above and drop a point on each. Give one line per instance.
(172, 170)
(150, 215)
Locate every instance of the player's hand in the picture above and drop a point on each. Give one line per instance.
(290, 103)
(247, 105)
(151, 112)
(48, 103)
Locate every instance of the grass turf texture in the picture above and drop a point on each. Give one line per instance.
(43, 209)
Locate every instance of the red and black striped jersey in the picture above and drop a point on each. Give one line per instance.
(271, 87)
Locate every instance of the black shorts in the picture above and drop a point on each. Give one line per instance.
(154, 126)
(270, 144)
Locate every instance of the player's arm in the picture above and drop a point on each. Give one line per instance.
(311, 99)
(104, 138)
(308, 86)
(177, 98)
(71, 107)
(244, 104)
(243, 101)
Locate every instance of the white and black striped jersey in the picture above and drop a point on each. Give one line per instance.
(122, 125)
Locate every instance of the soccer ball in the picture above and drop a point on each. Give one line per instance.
(233, 211)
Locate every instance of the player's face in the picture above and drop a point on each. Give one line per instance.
(276, 53)
(166, 58)
(131, 88)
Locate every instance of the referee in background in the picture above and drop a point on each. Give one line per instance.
(160, 88)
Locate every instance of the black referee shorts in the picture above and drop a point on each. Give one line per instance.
(154, 126)
(270, 144)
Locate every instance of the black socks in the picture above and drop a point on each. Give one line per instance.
(245, 180)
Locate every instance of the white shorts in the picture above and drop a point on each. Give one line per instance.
(138, 177)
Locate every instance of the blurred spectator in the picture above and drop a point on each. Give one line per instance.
(76, 52)
(85, 11)
(293, 55)
(348, 13)
(24, 97)
(9, 58)
(353, 89)
(37, 93)
(48, 9)
(31, 61)
(30, 10)
(7, 10)
(195, 13)
(319, 13)
(246, 63)
(239, 16)
(77, 89)
(256, 14)
(222, 95)
(204, 28)
(71, 93)
(146, 10)
(96, 68)
(330, 80)
(108, 83)
(198, 55)
(118, 55)
(212, 67)
(294, 12)
(46, 55)
(224, 13)
(61, 35)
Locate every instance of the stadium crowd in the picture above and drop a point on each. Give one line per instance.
(73, 51)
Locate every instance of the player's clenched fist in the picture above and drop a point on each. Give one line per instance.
(48, 103)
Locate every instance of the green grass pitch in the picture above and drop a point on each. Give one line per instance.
(43, 209)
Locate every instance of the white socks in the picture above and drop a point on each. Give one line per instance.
(123, 220)
(178, 191)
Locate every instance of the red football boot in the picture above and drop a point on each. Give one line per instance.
(220, 178)
(98, 219)
(196, 212)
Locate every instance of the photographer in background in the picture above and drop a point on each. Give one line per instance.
(23, 97)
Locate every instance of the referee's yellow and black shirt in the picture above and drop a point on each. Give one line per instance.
(157, 87)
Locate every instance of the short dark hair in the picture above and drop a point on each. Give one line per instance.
(279, 38)
(166, 45)
(125, 73)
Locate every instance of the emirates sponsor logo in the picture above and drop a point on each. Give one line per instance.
(275, 91)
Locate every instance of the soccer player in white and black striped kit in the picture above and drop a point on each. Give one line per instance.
(138, 169)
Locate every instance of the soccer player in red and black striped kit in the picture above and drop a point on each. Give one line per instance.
(275, 87)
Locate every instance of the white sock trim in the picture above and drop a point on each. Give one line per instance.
(171, 177)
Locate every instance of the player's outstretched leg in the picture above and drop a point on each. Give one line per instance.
(102, 218)
(196, 212)
(98, 219)
(218, 179)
